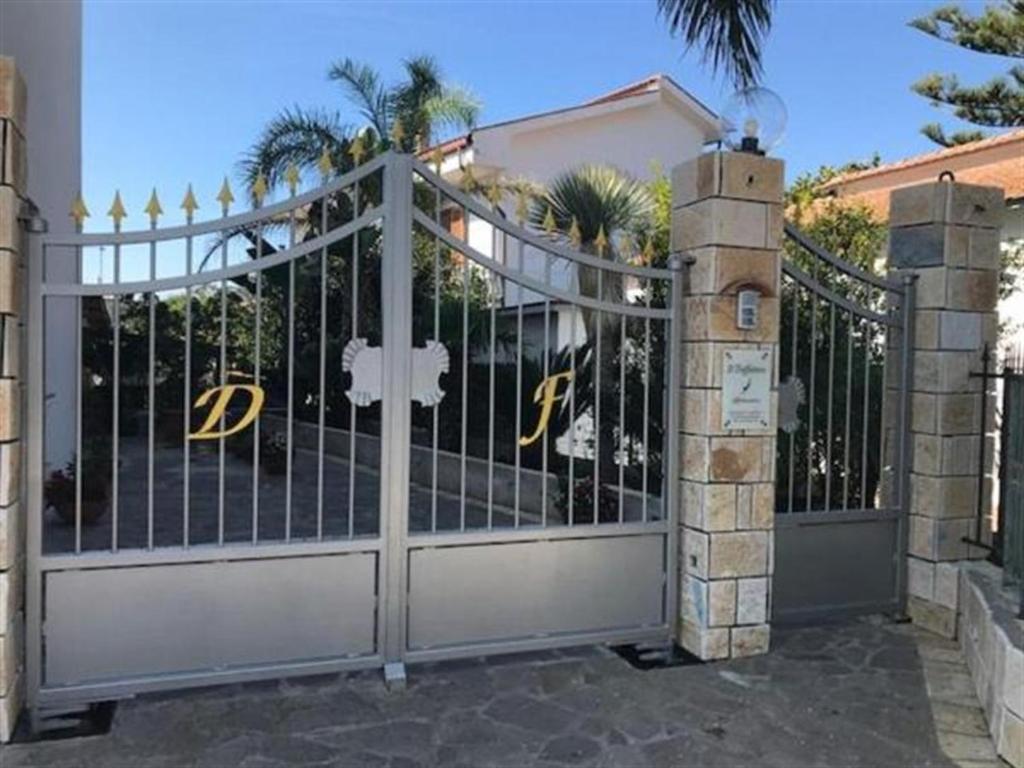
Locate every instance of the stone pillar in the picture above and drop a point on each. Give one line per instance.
(12, 563)
(727, 214)
(947, 234)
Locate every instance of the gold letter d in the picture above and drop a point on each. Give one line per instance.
(227, 391)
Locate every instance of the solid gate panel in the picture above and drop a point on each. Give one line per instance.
(842, 478)
(489, 593)
(116, 623)
(853, 566)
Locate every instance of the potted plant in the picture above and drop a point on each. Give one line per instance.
(59, 491)
(274, 453)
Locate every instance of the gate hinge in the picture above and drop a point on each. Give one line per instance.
(30, 219)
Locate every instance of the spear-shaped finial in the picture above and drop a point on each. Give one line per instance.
(357, 149)
(259, 189)
(224, 197)
(549, 221)
(574, 233)
(153, 208)
(117, 211)
(469, 182)
(189, 204)
(324, 164)
(522, 206)
(78, 210)
(601, 241)
(437, 157)
(397, 133)
(648, 252)
(291, 176)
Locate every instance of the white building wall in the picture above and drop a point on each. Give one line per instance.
(630, 139)
(45, 39)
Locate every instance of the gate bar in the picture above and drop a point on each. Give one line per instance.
(33, 478)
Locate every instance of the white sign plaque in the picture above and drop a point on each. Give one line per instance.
(746, 388)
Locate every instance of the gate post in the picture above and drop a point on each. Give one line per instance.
(396, 298)
(947, 235)
(12, 550)
(727, 214)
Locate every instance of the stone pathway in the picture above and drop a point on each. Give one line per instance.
(959, 719)
(844, 695)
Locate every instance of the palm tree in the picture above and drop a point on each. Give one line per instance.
(730, 33)
(598, 207)
(423, 104)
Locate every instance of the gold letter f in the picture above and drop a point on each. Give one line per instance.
(546, 394)
(227, 391)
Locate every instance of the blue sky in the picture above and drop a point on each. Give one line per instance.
(174, 92)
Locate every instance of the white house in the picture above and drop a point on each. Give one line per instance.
(653, 119)
(652, 123)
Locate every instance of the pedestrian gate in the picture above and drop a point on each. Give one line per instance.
(374, 423)
(842, 462)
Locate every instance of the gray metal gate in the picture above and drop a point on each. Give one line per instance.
(842, 465)
(338, 432)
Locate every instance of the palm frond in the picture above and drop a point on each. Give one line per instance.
(295, 137)
(424, 75)
(363, 85)
(454, 107)
(730, 33)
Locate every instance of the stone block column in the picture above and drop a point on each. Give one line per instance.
(727, 215)
(12, 563)
(947, 234)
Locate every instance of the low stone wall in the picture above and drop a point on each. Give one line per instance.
(992, 639)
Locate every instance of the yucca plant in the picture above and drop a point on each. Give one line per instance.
(595, 208)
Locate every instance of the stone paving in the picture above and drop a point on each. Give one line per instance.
(843, 695)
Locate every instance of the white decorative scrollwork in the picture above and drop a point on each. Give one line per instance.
(365, 364)
(791, 397)
(427, 366)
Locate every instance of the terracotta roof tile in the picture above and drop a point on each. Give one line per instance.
(929, 157)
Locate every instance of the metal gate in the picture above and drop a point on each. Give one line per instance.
(842, 484)
(370, 424)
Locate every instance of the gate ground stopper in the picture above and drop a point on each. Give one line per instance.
(394, 676)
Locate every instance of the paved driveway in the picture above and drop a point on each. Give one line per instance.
(847, 695)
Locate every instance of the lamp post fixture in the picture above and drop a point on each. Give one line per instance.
(753, 120)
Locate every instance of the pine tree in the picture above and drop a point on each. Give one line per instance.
(999, 31)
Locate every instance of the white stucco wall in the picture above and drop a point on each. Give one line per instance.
(629, 138)
(1011, 309)
(45, 39)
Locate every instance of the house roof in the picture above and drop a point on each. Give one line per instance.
(961, 151)
(995, 161)
(640, 88)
